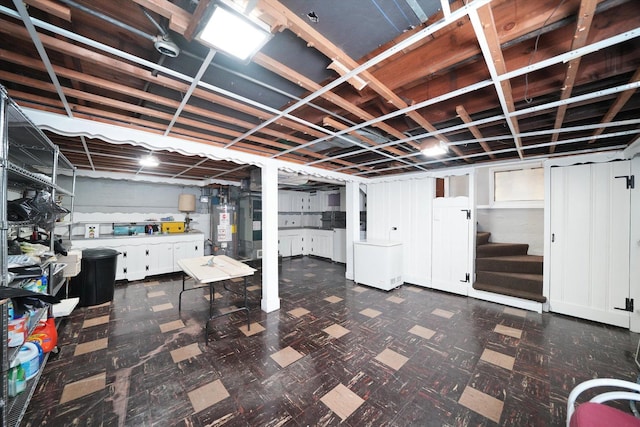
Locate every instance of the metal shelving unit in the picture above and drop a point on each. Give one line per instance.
(28, 161)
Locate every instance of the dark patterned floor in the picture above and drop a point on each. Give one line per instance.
(335, 353)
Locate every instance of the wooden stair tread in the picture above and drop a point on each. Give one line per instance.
(510, 292)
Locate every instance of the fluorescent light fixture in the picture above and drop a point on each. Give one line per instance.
(434, 149)
(149, 161)
(229, 31)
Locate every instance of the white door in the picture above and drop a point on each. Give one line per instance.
(450, 247)
(590, 226)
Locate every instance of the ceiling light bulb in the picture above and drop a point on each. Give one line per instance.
(149, 161)
(435, 150)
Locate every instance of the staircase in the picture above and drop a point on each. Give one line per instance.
(505, 268)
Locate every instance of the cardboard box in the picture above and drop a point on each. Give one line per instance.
(173, 227)
(73, 261)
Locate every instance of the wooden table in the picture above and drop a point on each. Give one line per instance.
(208, 270)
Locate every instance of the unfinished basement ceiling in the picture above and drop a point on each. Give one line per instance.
(493, 80)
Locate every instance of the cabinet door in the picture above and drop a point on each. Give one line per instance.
(181, 250)
(137, 262)
(284, 245)
(297, 245)
(161, 258)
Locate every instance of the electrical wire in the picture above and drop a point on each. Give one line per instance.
(535, 50)
(385, 16)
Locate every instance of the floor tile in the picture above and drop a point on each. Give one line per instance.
(498, 359)
(207, 395)
(443, 313)
(336, 331)
(359, 289)
(506, 330)
(298, 312)
(414, 289)
(333, 299)
(171, 326)
(483, 404)
(83, 387)
(423, 332)
(392, 359)
(216, 296)
(91, 346)
(255, 328)
(515, 312)
(342, 401)
(227, 309)
(95, 321)
(395, 299)
(309, 275)
(253, 288)
(152, 283)
(184, 353)
(286, 356)
(370, 312)
(155, 294)
(162, 307)
(106, 304)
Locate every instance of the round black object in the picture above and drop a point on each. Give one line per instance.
(96, 282)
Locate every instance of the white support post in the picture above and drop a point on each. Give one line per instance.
(270, 299)
(353, 223)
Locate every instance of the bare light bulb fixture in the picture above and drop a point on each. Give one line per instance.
(149, 161)
(433, 148)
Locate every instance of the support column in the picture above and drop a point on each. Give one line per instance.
(270, 297)
(353, 223)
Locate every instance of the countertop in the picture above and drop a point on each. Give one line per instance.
(137, 236)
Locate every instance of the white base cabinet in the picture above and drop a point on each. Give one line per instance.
(143, 256)
(378, 264)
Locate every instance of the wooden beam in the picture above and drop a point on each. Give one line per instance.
(617, 105)
(496, 57)
(52, 8)
(179, 19)
(462, 113)
(583, 25)
(196, 18)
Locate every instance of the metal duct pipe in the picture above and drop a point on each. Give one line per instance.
(108, 19)
(162, 43)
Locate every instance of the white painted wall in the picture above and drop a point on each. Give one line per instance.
(401, 211)
(514, 226)
(130, 201)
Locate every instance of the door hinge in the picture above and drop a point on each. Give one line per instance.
(628, 305)
(468, 211)
(630, 179)
(466, 278)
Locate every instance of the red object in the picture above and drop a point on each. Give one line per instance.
(591, 414)
(45, 335)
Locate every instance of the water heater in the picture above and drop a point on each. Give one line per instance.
(224, 230)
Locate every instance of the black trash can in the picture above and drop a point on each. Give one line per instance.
(96, 282)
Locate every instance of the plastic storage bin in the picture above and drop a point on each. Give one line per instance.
(96, 282)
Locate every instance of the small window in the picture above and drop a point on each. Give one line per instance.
(518, 186)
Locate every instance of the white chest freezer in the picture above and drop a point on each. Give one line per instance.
(378, 263)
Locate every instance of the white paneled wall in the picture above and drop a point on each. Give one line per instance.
(401, 211)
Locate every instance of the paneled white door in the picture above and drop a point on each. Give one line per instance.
(590, 226)
(450, 245)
